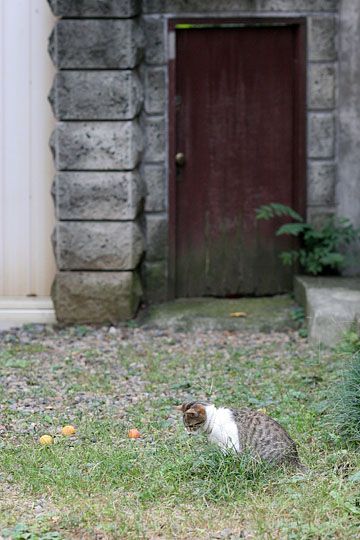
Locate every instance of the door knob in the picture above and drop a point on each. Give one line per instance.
(180, 159)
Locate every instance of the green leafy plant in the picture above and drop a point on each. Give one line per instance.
(320, 250)
(346, 398)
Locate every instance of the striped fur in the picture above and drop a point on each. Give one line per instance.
(240, 430)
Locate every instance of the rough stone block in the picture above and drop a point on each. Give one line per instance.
(154, 40)
(156, 237)
(321, 183)
(322, 38)
(188, 6)
(94, 8)
(154, 178)
(154, 90)
(321, 140)
(154, 139)
(89, 245)
(96, 145)
(322, 86)
(91, 44)
(155, 277)
(96, 95)
(98, 196)
(96, 297)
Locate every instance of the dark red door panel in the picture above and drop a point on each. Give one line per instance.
(236, 123)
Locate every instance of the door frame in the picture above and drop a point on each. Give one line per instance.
(299, 114)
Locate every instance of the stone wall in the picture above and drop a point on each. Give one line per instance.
(154, 165)
(110, 145)
(348, 189)
(96, 97)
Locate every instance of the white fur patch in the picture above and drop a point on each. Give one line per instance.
(221, 428)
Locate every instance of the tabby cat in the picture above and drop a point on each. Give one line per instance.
(242, 429)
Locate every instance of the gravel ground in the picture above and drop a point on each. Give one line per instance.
(64, 373)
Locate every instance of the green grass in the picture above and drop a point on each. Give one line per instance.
(346, 398)
(167, 484)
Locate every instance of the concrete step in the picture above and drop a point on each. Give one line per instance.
(331, 304)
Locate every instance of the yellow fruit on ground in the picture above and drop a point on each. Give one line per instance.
(134, 434)
(45, 440)
(68, 431)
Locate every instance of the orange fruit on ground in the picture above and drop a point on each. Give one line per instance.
(68, 431)
(45, 440)
(134, 434)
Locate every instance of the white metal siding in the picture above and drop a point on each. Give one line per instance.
(26, 170)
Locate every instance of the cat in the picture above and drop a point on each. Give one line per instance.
(242, 430)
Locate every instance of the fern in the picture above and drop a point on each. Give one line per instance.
(320, 247)
(268, 211)
(293, 229)
(332, 259)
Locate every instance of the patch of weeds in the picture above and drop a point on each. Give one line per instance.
(132, 324)
(23, 532)
(91, 354)
(350, 344)
(303, 332)
(297, 394)
(17, 357)
(297, 314)
(17, 363)
(81, 330)
(345, 413)
(25, 349)
(181, 385)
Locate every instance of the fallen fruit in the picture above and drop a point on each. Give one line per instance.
(68, 431)
(133, 434)
(45, 440)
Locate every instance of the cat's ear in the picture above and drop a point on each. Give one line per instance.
(200, 409)
(181, 407)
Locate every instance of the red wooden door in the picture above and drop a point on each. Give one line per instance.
(239, 122)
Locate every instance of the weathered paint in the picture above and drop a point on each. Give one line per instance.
(239, 120)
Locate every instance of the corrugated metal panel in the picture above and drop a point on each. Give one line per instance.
(26, 211)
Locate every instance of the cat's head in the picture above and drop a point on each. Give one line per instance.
(194, 415)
